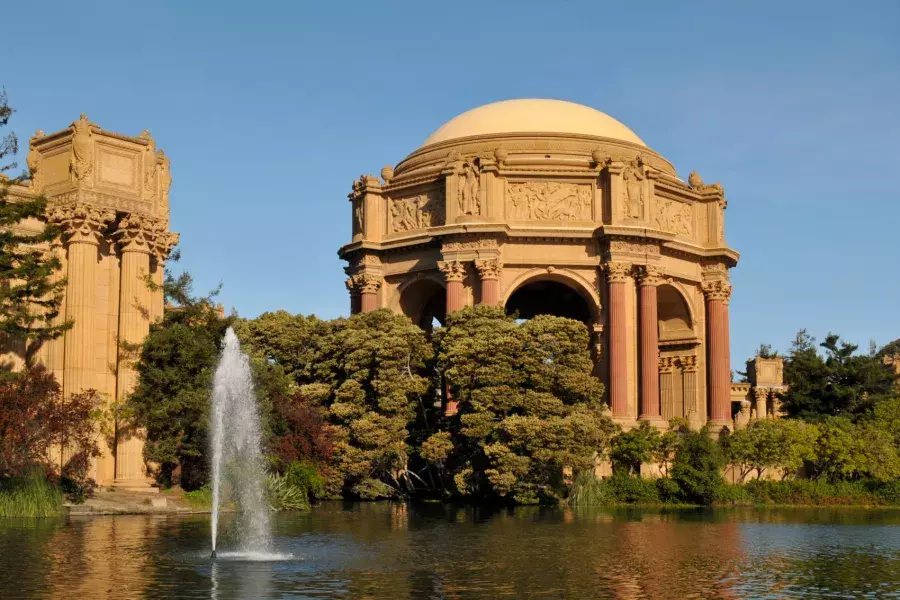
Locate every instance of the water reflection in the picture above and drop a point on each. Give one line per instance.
(382, 550)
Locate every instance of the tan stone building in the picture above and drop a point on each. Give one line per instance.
(110, 195)
(549, 207)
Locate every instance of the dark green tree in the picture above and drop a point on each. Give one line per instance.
(31, 292)
(697, 469)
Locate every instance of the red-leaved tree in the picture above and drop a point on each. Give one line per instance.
(299, 432)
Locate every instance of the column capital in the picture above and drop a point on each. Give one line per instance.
(137, 233)
(81, 223)
(164, 244)
(488, 268)
(717, 290)
(689, 363)
(648, 275)
(365, 283)
(760, 393)
(453, 270)
(618, 272)
(666, 364)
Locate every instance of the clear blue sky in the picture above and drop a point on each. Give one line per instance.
(270, 110)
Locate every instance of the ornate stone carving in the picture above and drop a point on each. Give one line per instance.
(548, 201)
(81, 223)
(453, 270)
(634, 247)
(720, 221)
(387, 173)
(137, 233)
(419, 212)
(164, 243)
(150, 164)
(483, 244)
(666, 364)
(165, 181)
(717, 290)
(696, 183)
(81, 161)
(358, 215)
(633, 201)
(365, 283)
(649, 275)
(742, 419)
(618, 272)
(33, 161)
(488, 269)
(675, 217)
(467, 194)
(713, 270)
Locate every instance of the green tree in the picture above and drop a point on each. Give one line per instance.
(529, 408)
(31, 293)
(630, 449)
(847, 450)
(697, 469)
(782, 444)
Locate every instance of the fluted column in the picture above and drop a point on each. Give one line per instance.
(489, 273)
(82, 228)
(355, 304)
(165, 242)
(454, 272)
(365, 286)
(761, 395)
(136, 238)
(649, 278)
(617, 275)
(689, 391)
(717, 296)
(666, 387)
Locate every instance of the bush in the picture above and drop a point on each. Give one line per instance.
(697, 468)
(283, 495)
(200, 498)
(633, 490)
(31, 496)
(589, 490)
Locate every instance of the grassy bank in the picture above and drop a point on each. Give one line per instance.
(625, 490)
(32, 496)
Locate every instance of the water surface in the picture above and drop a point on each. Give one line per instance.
(393, 551)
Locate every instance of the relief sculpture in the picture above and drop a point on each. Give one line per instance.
(548, 201)
(418, 212)
(633, 176)
(469, 202)
(675, 217)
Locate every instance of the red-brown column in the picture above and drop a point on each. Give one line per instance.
(717, 295)
(454, 272)
(367, 285)
(489, 272)
(617, 275)
(355, 304)
(649, 278)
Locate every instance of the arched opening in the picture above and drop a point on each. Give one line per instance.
(548, 297)
(425, 303)
(678, 386)
(674, 316)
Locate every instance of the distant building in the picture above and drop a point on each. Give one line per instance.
(550, 207)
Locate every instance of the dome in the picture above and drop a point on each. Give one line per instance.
(533, 116)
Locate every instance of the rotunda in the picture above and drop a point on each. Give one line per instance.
(551, 207)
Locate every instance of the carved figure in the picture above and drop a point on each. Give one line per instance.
(32, 161)
(358, 215)
(81, 162)
(165, 180)
(418, 212)
(674, 216)
(633, 176)
(469, 203)
(742, 419)
(549, 200)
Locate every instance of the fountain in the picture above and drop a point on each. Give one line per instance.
(237, 458)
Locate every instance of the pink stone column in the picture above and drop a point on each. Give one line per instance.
(454, 272)
(489, 272)
(717, 295)
(617, 275)
(366, 286)
(355, 300)
(649, 279)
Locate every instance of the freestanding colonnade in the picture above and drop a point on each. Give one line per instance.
(550, 207)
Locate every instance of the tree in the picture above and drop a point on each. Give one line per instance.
(697, 469)
(846, 450)
(630, 449)
(529, 408)
(770, 444)
(31, 293)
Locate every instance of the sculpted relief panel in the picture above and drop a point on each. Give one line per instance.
(548, 201)
(675, 217)
(418, 212)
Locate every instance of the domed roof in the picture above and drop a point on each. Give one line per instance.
(533, 116)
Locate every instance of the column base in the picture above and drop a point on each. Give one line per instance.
(715, 426)
(143, 486)
(625, 423)
(655, 420)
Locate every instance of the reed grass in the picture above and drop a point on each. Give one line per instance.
(29, 497)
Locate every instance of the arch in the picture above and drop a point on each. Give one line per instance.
(676, 321)
(424, 300)
(540, 291)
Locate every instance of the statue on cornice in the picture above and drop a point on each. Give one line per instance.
(469, 203)
(81, 162)
(634, 191)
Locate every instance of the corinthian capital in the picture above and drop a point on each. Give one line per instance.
(137, 233)
(649, 275)
(164, 243)
(488, 268)
(80, 223)
(617, 272)
(717, 290)
(453, 270)
(366, 283)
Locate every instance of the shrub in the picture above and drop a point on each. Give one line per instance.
(629, 489)
(199, 498)
(589, 490)
(29, 496)
(697, 468)
(630, 449)
(283, 495)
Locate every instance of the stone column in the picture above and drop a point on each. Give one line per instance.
(761, 395)
(649, 277)
(454, 272)
(689, 376)
(165, 242)
(136, 237)
(489, 272)
(617, 275)
(717, 295)
(355, 304)
(367, 286)
(666, 387)
(83, 228)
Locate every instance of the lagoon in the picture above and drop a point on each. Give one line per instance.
(390, 550)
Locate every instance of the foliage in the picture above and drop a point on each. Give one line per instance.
(31, 291)
(299, 432)
(805, 492)
(528, 405)
(36, 422)
(782, 444)
(697, 469)
(200, 498)
(283, 495)
(630, 449)
(29, 496)
(848, 450)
